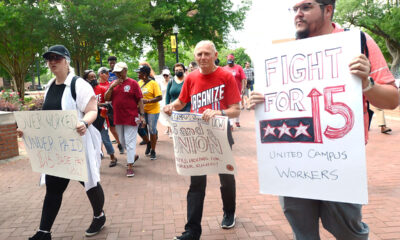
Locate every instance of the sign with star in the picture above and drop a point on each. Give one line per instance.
(310, 129)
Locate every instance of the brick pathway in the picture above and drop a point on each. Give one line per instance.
(152, 205)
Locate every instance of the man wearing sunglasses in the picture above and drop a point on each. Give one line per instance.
(343, 220)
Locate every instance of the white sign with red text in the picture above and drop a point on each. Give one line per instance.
(201, 147)
(52, 143)
(310, 130)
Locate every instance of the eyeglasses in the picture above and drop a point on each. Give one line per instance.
(177, 71)
(54, 57)
(104, 72)
(305, 7)
(166, 75)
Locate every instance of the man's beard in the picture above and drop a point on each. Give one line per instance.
(303, 34)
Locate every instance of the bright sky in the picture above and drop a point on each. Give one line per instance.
(265, 21)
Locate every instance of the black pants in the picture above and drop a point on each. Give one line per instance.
(195, 199)
(55, 187)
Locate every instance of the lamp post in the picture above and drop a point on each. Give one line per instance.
(175, 30)
(38, 71)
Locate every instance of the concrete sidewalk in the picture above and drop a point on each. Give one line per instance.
(152, 204)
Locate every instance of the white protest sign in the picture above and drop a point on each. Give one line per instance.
(201, 147)
(52, 143)
(310, 130)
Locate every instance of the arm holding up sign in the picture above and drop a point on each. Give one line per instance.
(383, 96)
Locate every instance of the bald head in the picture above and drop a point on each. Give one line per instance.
(205, 55)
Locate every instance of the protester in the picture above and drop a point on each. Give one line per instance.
(240, 77)
(127, 103)
(164, 82)
(100, 88)
(58, 96)
(208, 77)
(175, 86)
(192, 66)
(143, 133)
(382, 121)
(112, 77)
(249, 72)
(343, 220)
(152, 95)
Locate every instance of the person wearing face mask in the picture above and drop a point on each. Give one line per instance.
(100, 89)
(240, 77)
(175, 86)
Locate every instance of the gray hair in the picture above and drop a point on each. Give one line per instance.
(205, 42)
(102, 69)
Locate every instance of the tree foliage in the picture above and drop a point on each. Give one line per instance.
(197, 20)
(21, 38)
(381, 18)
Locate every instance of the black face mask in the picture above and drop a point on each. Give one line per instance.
(179, 74)
(94, 83)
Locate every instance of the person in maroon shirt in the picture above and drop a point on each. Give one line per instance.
(127, 103)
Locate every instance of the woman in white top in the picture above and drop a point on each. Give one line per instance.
(58, 96)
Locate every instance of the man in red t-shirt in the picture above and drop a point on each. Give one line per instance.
(314, 18)
(127, 103)
(213, 80)
(240, 77)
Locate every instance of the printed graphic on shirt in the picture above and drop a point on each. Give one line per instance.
(208, 97)
(127, 88)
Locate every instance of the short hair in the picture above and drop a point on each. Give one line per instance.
(86, 73)
(327, 2)
(179, 65)
(205, 42)
(102, 70)
(193, 63)
(112, 58)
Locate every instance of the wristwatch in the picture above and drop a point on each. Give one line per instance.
(86, 124)
(223, 113)
(370, 84)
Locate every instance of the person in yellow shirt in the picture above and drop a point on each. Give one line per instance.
(152, 95)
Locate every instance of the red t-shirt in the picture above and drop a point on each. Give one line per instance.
(216, 90)
(379, 71)
(99, 91)
(125, 98)
(238, 73)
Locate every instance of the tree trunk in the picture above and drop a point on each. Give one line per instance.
(161, 53)
(394, 50)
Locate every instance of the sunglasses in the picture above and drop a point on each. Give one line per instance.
(55, 57)
(165, 75)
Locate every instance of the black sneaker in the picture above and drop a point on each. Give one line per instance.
(153, 155)
(41, 236)
(121, 149)
(96, 226)
(142, 143)
(228, 221)
(186, 236)
(148, 148)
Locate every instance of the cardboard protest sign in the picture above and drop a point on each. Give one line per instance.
(200, 147)
(52, 143)
(310, 130)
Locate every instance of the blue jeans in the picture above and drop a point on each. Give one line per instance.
(106, 141)
(151, 120)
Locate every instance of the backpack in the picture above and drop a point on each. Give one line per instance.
(99, 122)
(364, 49)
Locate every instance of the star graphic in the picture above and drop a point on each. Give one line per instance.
(302, 129)
(269, 130)
(284, 130)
